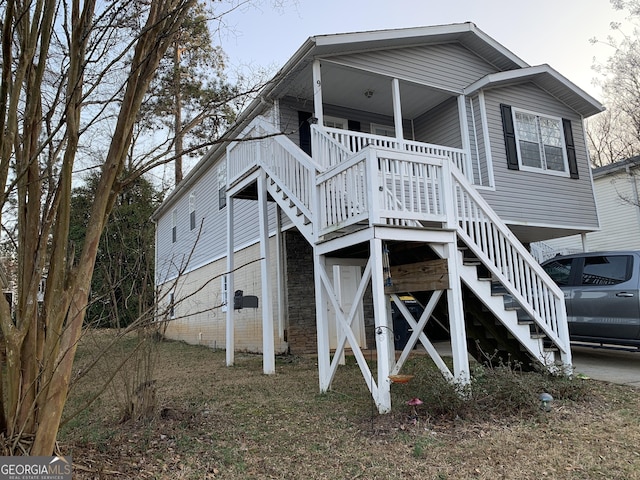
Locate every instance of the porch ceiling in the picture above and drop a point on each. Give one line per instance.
(344, 86)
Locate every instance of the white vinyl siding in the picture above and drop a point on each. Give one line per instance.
(618, 213)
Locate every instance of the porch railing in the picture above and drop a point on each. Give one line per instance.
(353, 142)
(382, 186)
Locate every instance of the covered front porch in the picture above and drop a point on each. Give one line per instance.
(359, 108)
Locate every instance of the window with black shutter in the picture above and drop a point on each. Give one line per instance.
(538, 142)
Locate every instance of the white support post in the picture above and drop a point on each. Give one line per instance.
(337, 288)
(448, 187)
(397, 109)
(230, 337)
(280, 286)
(375, 188)
(466, 141)
(383, 329)
(317, 92)
(268, 350)
(459, 351)
(322, 324)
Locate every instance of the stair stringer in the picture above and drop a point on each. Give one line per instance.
(300, 219)
(509, 318)
(495, 304)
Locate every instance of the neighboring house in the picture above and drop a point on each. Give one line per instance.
(616, 189)
(413, 161)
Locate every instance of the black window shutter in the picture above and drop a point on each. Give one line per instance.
(353, 125)
(305, 131)
(509, 137)
(571, 148)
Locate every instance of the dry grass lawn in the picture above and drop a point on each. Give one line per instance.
(236, 423)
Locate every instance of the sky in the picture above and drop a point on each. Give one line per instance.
(555, 32)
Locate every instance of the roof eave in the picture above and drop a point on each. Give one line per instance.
(589, 105)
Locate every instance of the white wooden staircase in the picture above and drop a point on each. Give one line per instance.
(356, 181)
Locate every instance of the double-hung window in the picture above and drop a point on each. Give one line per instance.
(538, 142)
(174, 225)
(192, 211)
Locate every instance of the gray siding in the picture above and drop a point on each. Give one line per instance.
(450, 66)
(440, 125)
(207, 242)
(289, 108)
(538, 198)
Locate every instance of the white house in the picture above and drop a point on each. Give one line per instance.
(375, 165)
(616, 189)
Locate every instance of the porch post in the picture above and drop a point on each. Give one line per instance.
(280, 273)
(466, 141)
(268, 350)
(459, 351)
(383, 329)
(317, 92)
(230, 339)
(397, 109)
(322, 323)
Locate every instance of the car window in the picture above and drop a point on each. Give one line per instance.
(559, 270)
(606, 270)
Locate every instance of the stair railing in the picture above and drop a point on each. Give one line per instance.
(285, 163)
(327, 150)
(491, 241)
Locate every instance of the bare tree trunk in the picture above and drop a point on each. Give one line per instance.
(41, 342)
(179, 148)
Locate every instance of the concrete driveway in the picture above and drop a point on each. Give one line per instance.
(610, 365)
(607, 364)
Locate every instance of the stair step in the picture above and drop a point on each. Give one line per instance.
(306, 221)
(525, 321)
(471, 262)
(538, 336)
